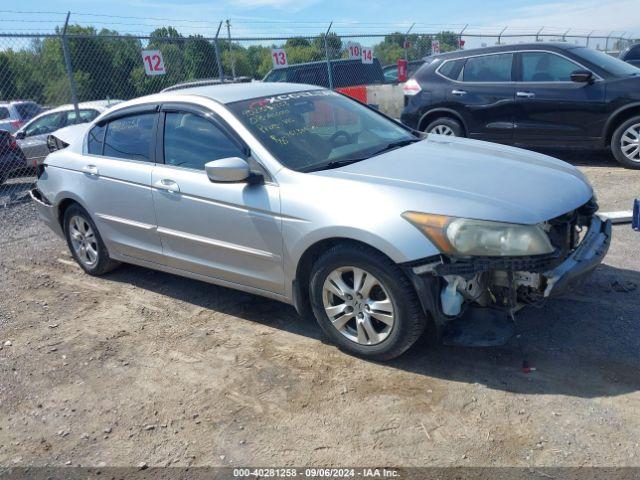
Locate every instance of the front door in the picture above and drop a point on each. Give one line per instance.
(485, 97)
(228, 231)
(551, 110)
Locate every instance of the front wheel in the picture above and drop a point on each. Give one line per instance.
(364, 302)
(625, 143)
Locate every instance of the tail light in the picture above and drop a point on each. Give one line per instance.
(13, 145)
(411, 87)
(16, 124)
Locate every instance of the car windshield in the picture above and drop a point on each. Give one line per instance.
(613, 65)
(319, 129)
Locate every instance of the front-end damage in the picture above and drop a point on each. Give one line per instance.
(448, 285)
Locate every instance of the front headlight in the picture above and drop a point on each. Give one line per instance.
(463, 236)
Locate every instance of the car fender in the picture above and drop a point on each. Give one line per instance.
(448, 111)
(611, 122)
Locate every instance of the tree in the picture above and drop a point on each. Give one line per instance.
(297, 42)
(199, 58)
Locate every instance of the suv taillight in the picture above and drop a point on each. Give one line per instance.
(411, 87)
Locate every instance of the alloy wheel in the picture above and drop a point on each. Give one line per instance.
(630, 143)
(443, 130)
(83, 240)
(358, 305)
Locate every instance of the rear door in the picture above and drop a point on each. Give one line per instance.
(114, 178)
(484, 95)
(551, 110)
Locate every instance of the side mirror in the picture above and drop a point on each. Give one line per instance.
(582, 76)
(231, 169)
(20, 135)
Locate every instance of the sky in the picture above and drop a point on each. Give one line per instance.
(287, 17)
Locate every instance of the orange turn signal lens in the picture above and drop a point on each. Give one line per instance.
(434, 227)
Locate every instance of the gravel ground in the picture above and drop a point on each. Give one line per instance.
(142, 366)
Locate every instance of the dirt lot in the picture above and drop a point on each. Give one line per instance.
(141, 366)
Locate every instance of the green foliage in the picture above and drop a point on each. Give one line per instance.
(108, 67)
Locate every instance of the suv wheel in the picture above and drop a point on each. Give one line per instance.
(364, 303)
(445, 126)
(85, 242)
(625, 143)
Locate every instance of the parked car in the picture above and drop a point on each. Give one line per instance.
(631, 55)
(303, 195)
(531, 95)
(12, 161)
(13, 115)
(345, 73)
(390, 72)
(32, 138)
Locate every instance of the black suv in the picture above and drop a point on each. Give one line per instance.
(532, 95)
(631, 55)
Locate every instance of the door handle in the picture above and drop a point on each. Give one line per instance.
(525, 94)
(458, 93)
(90, 169)
(167, 185)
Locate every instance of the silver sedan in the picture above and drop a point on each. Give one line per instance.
(300, 194)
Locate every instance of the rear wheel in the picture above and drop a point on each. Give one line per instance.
(625, 143)
(445, 126)
(364, 302)
(85, 243)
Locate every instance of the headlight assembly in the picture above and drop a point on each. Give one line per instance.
(468, 237)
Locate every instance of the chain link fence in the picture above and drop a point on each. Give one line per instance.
(53, 75)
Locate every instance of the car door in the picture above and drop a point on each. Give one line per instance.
(32, 138)
(551, 110)
(484, 95)
(228, 231)
(114, 182)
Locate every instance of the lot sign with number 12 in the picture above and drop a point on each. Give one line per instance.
(153, 62)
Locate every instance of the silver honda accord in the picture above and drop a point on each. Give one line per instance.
(303, 195)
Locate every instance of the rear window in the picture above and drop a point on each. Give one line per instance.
(28, 110)
(4, 113)
(96, 140)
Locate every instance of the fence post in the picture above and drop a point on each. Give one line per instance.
(606, 45)
(326, 51)
(564, 35)
(406, 39)
(217, 49)
(538, 34)
(500, 35)
(233, 63)
(69, 68)
(589, 37)
(460, 35)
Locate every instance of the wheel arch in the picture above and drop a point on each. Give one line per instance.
(64, 201)
(617, 118)
(434, 113)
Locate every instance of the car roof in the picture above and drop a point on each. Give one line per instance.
(97, 104)
(235, 92)
(506, 48)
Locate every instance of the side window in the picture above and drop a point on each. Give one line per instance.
(546, 67)
(191, 141)
(85, 116)
(47, 124)
(488, 68)
(130, 137)
(451, 69)
(96, 140)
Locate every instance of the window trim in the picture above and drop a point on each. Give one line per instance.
(202, 112)
(513, 65)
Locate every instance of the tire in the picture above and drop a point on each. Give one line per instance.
(445, 126)
(621, 138)
(78, 227)
(387, 293)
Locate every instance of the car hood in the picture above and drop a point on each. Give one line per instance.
(473, 179)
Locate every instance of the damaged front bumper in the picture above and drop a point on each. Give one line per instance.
(506, 282)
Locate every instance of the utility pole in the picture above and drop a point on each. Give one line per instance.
(218, 60)
(69, 68)
(233, 63)
(326, 51)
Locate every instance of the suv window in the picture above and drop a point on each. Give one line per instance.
(130, 137)
(546, 67)
(191, 141)
(28, 110)
(4, 113)
(46, 124)
(451, 69)
(488, 68)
